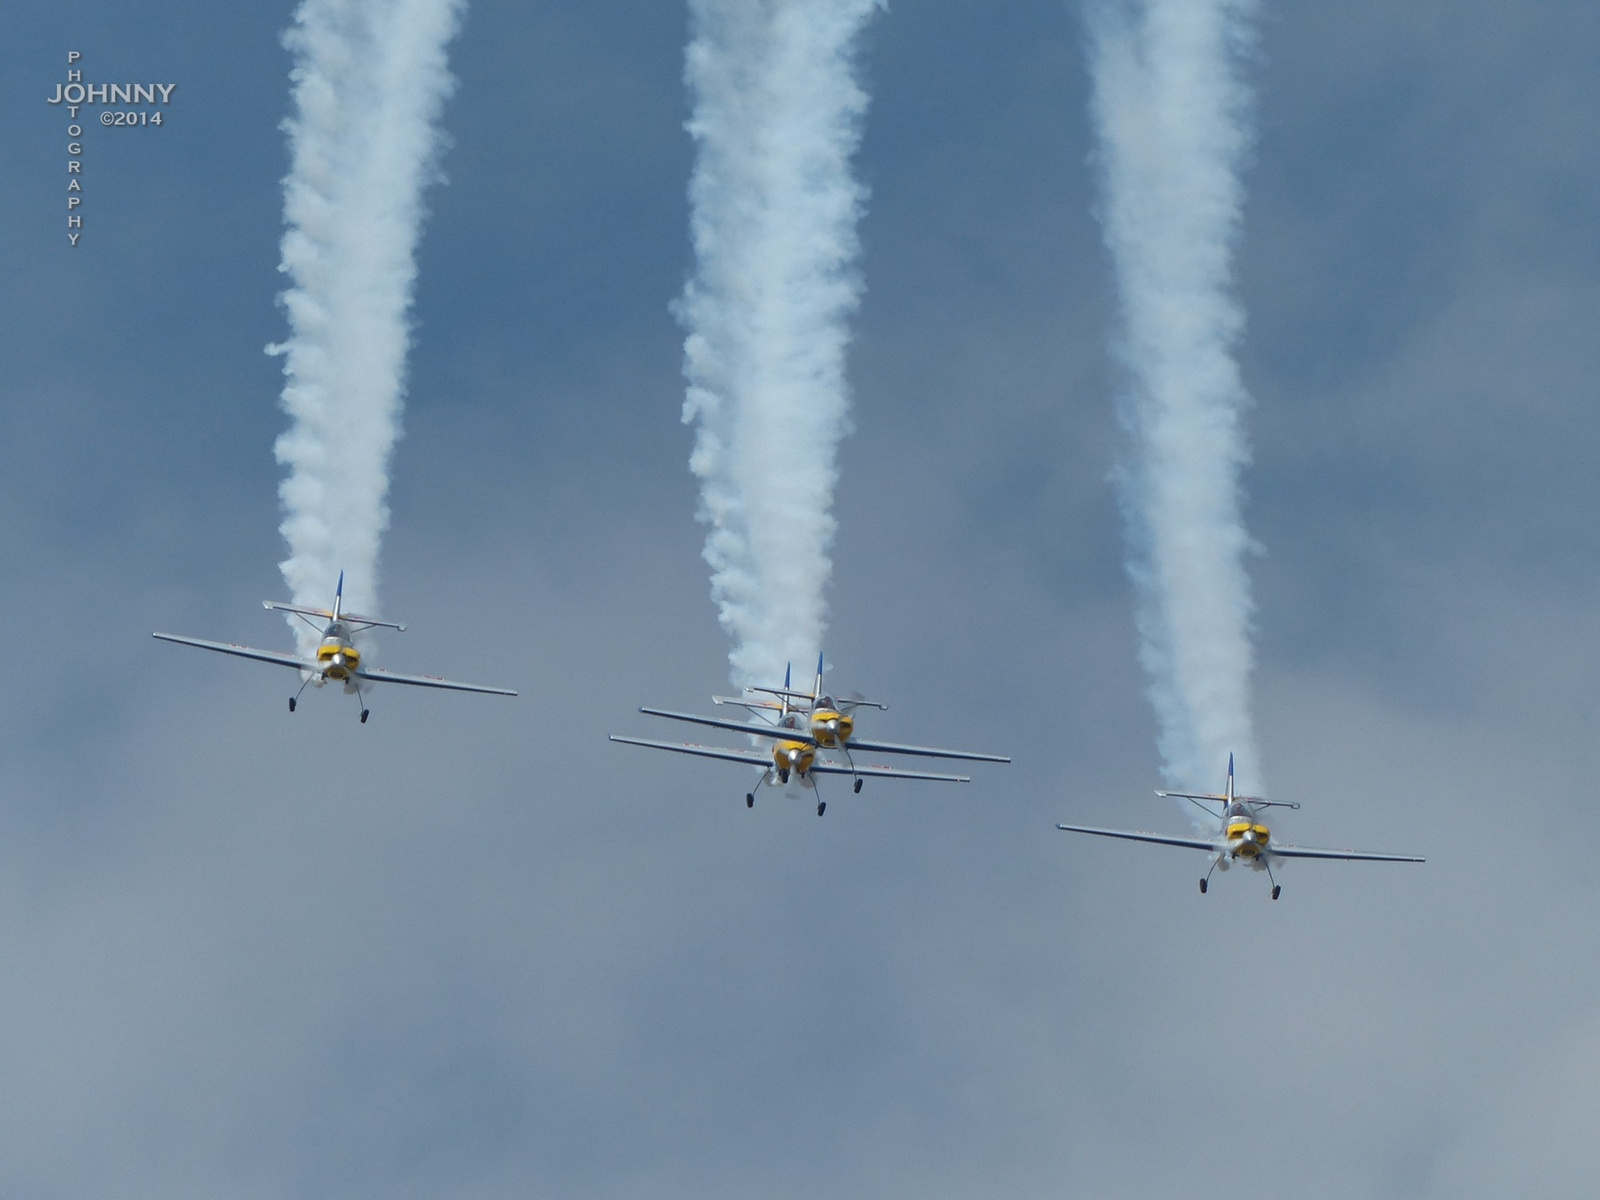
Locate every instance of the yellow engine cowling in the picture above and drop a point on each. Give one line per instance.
(794, 756)
(831, 728)
(326, 656)
(1248, 839)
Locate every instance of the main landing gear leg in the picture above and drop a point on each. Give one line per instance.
(750, 796)
(1276, 886)
(1204, 883)
(852, 763)
(294, 700)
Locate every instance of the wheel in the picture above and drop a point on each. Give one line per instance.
(1276, 888)
(364, 715)
(749, 799)
(822, 807)
(1202, 887)
(858, 785)
(291, 703)
(783, 777)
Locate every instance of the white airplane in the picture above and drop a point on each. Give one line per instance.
(802, 723)
(337, 658)
(1241, 838)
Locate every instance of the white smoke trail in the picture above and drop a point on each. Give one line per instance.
(777, 118)
(370, 78)
(1173, 125)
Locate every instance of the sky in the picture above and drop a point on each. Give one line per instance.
(473, 949)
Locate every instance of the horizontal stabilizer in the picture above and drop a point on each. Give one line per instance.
(1254, 801)
(326, 615)
(784, 692)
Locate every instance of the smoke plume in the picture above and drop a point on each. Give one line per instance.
(776, 119)
(369, 80)
(1172, 117)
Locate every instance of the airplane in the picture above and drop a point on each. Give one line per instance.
(803, 724)
(1242, 837)
(337, 659)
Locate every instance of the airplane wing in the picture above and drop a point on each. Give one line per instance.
(378, 675)
(822, 768)
(757, 759)
(925, 751)
(1308, 852)
(1140, 836)
(752, 757)
(755, 727)
(283, 660)
(1195, 796)
(805, 735)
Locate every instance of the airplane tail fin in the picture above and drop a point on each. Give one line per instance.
(1230, 777)
(338, 596)
(816, 687)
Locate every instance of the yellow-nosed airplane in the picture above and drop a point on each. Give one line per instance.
(337, 659)
(802, 724)
(1242, 837)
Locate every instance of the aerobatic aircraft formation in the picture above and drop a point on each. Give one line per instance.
(805, 735)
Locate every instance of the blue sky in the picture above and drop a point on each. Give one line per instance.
(473, 949)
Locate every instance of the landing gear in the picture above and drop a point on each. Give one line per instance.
(364, 715)
(749, 799)
(292, 702)
(1276, 888)
(858, 785)
(822, 807)
(1206, 882)
(1203, 884)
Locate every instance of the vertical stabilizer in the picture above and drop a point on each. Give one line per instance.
(816, 687)
(1230, 777)
(338, 596)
